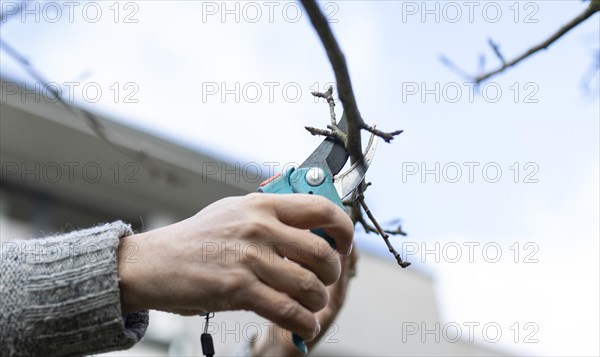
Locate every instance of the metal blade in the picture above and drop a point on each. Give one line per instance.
(346, 183)
(330, 155)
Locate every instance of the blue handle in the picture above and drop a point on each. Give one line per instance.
(294, 181)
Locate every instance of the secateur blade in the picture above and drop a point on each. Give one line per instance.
(330, 155)
(346, 182)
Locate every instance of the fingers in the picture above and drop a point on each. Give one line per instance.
(339, 289)
(313, 211)
(282, 310)
(309, 250)
(349, 264)
(299, 283)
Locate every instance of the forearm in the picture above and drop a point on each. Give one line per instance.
(60, 295)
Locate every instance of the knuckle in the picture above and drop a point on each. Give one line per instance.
(235, 289)
(256, 198)
(288, 309)
(310, 286)
(253, 228)
(251, 253)
(308, 282)
(235, 282)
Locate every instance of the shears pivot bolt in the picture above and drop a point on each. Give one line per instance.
(315, 176)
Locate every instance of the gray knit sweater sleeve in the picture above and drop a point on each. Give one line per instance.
(60, 295)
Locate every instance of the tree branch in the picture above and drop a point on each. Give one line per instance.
(370, 229)
(343, 83)
(496, 48)
(354, 121)
(381, 232)
(328, 96)
(335, 132)
(385, 136)
(327, 132)
(588, 12)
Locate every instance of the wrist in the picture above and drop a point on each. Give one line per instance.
(128, 261)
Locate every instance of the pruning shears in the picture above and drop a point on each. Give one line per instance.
(319, 175)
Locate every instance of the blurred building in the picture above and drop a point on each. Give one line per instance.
(62, 170)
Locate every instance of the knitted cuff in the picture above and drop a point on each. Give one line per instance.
(60, 295)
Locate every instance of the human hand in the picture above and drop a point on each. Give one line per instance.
(278, 341)
(237, 254)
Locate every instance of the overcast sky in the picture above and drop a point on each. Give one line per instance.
(518, 158)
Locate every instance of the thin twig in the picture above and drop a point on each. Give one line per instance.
(397, 231)
(334, 131)
(455, 68)
(588, 12)
(328, 96)
(590, 73)
(322, 132)
(385, 136)
(370, 229)
(382, 233)
(496, 48)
